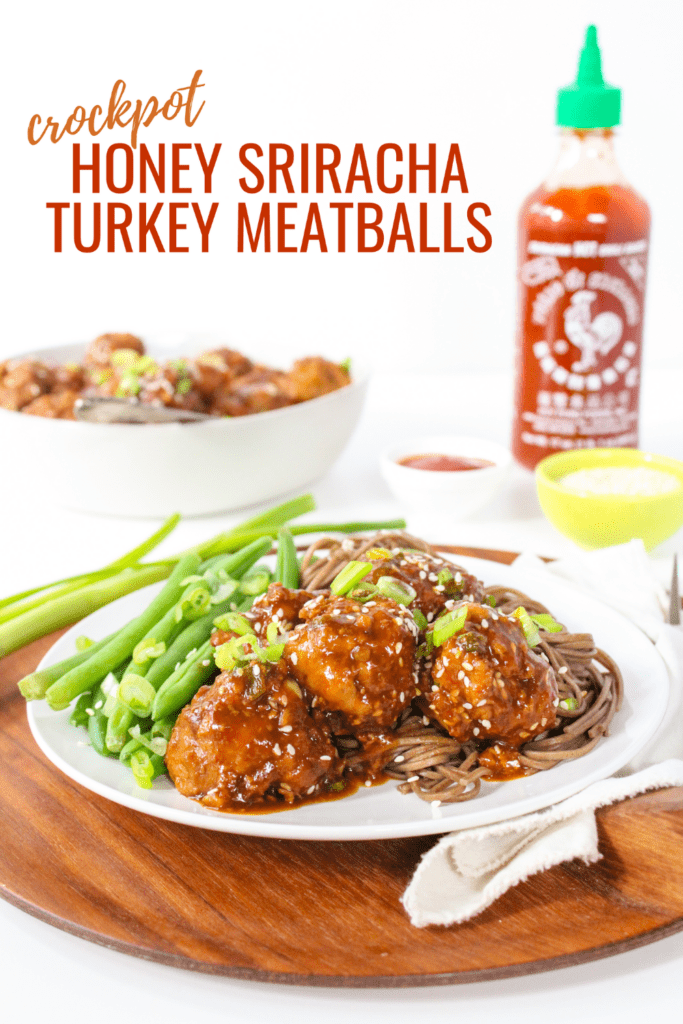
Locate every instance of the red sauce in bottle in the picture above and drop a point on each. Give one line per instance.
(583, 244)
(444, 463)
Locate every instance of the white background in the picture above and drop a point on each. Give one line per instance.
(481, 74)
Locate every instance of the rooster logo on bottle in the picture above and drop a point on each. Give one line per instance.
(593, 337)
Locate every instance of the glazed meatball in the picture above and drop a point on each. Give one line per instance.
(56, 406)
(260, 390)
(355, 660)
(216, 370)
(278, 605)
(172, 385)
(249, 739)
(99, 351)
(313, 377)
(421, 571)
(486, 683)
(22, 381)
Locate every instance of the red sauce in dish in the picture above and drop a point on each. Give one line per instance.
(444, 463)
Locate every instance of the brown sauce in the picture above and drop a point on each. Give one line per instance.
(444, 463)
(271, 804)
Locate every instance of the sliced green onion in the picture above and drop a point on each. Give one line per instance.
(227, 655)
(547, 622)
(336, 787)
(397, 590)
(533, 637)
(124, 357)
(274, 652)
(378, 553)
(224, 591)
(233, 622)
(349, 577)
(570, 704)
(363, 592)
(256, 581)
(164, 727)
(444, 577)
(194, 604)
(148, 649)
(137, 694)
(490, 600)
(183, 386)
(346, 364)
(272, 632)
(420, 620)
(448, 625)
(191, 579)
(83, 643)
(142, 769)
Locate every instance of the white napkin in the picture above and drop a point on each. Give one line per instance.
(466, 871)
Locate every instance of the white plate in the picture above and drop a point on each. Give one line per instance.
(382, 812)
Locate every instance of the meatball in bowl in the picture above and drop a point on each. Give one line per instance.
(268, 431)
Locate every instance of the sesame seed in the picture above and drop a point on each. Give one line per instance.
(485, 722)
(402, 697)
(435, 687)
(444, 661)
(467, 665)
(543, 721)
(413, 778)
(562, 670)
(89, 711)
(325, 757)
(433, 577)
(468, 706)
(481, 703)
(290, 749)
(476, 731)
(461, 674)
(310, 790)
(277, 750)
(285, 728)
(398, 648)
(293, 657)
(423, 574)
(397, 760)
(368, 782)
(458, 577)
(206, 663)
(99, 705)
(425, 720)
(485, 623)
(430, 616)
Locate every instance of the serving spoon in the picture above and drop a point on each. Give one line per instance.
(102, 409)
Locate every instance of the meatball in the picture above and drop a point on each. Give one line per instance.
(486, 683)
(99, 351)
(249, 739)
(355, 660)
(216, 370)
(421, 571)
(279, 604)
(313, 377)
(172, 385)
(56, 406)
(22, 381)
(260, 390)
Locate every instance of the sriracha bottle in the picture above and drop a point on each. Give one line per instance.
(583, 245)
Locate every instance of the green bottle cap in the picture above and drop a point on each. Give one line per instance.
(589, 102)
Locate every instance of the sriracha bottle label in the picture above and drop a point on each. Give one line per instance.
(582, 313)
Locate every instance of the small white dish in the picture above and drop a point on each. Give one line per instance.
(456, 492)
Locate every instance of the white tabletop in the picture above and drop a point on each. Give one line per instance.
(49, 974)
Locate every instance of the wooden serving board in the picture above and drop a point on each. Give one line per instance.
(308, 913)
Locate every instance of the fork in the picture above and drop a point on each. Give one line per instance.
(675, 600)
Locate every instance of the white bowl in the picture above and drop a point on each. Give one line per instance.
(154, 470)
(456, 492)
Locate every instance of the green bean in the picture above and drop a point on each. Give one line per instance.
(80, 678)
(97, 724)
(34, 686)
(181, 686)
(192, 637)
(79, 715)
(287, 565)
